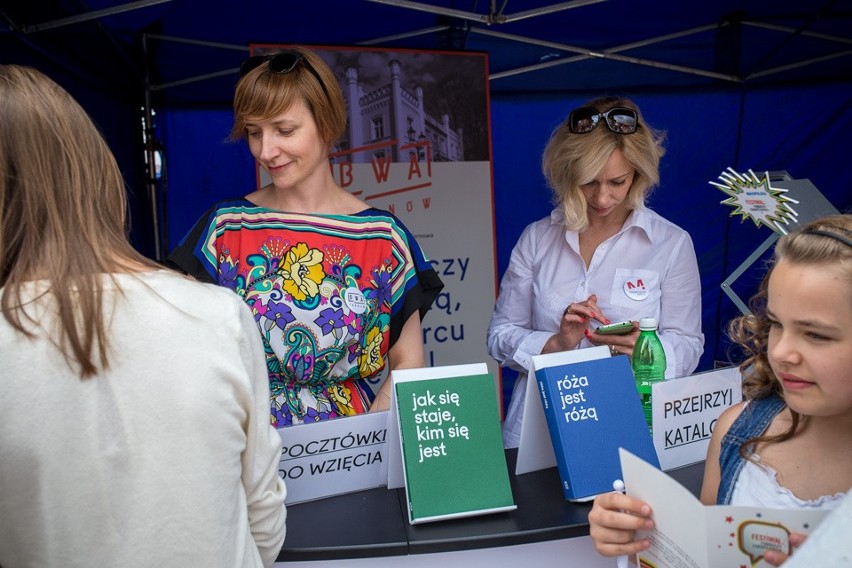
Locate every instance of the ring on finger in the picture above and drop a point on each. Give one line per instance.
(613, 350)
(567, 311)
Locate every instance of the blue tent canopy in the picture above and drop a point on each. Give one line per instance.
(760, 84)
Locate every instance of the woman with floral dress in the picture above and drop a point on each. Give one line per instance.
(337, 288)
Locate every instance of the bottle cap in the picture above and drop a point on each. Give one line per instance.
(647, 324)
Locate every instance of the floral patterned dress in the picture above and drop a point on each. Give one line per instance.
(329, 293)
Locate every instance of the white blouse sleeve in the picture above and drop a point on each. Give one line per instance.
(511, 340)
(680, 311)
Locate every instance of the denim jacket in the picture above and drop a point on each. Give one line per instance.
(753, 421)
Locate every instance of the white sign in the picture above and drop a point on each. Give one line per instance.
(753, 197)
(685, 412)
(334, 457)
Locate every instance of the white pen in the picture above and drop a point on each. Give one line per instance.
(620, 561)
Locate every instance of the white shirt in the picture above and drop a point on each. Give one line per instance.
(165, 459)
(757, 486)
(647, 269)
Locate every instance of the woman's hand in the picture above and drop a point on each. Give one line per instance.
(573, 325)
(618, 344)
(407, 353)
(777, 558)
(382, 400)
(613, 522)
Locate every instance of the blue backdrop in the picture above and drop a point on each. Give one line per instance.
(799, 129)
(763, 122)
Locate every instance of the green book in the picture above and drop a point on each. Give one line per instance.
(452, 449)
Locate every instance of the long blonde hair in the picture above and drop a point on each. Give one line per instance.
(570, 160)
(63, 213)
(824, 242)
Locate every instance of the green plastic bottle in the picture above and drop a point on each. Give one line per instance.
(649, 363)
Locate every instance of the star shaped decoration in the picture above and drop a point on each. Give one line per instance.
(753, 197)
(729, 519)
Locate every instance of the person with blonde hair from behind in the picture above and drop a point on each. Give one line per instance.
(789, 444)
(134, 427)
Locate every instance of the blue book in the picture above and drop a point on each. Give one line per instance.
(592, 409)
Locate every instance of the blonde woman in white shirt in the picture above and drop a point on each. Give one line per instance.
(601, 256)
(134, 416)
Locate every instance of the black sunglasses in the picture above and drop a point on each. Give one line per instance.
(281, 63)
(621, 120)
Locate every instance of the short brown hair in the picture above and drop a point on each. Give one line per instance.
(262, 94)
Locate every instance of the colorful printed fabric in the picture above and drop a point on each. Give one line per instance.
(329, 293)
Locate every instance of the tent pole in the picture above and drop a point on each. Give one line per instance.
(413, 33)
(488, 19)
(151, 175)
(150, 158)
(610, 53)
(789, 30)
(93, 15)
(805, 63)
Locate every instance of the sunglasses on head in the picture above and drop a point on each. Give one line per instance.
(281, 63)
(621, 120)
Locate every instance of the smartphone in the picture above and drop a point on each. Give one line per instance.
(619, 328)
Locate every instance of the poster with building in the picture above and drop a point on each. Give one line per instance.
(418, 144)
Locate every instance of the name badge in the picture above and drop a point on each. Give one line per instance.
(355, 299)
(635, 289)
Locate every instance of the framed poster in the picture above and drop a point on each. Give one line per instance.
(418, 144)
